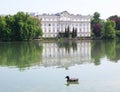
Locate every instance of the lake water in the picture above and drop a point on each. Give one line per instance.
(42, 67)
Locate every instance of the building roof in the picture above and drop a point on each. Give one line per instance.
(64, 13)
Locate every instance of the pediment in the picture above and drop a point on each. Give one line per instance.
(65, 14)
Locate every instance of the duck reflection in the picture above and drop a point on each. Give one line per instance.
(72, 83)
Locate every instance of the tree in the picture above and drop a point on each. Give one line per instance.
(27, 27)
(20, 26)
(96, 25)
(65, 35)
(112, 17)
(67, 32)
(116, 19)
(76, 32)
(2, 27)
(96, 28)
(73, 33)
(96, 18)
(109, 30)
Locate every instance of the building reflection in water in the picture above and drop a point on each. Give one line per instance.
(66, 54)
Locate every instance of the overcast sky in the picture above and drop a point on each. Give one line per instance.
(84, 7)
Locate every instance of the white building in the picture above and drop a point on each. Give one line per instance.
(52, 24)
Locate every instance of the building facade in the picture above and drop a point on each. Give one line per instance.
(53, 24)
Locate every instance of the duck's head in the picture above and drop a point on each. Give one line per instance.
(67, 77)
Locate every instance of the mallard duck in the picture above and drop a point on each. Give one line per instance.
(71, 79)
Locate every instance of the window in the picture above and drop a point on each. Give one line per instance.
(80, 29)
(53, 29)
(61, 29)
(57, 24)
(87, 24)
(44, 24)
(45, 30)
(49, 30)
(76, 25)
(53, 24)
(80, 24)
(49, 24)
(74, 19)
(84, 29)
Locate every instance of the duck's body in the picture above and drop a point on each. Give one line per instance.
(71, 79)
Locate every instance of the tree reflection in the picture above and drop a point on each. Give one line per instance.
(115, 51)
(64, 54)
(97, 51)
(110, 51)
(67, 45)
(20, 54)
(107, 48)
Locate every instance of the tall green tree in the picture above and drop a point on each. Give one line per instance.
(96, 18)
(2, 27)
(67, 32)
(109, 30)
(96, 25)
(73, 33)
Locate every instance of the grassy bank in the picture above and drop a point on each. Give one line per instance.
(62, 39)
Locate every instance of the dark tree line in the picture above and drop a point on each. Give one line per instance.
(20, 26)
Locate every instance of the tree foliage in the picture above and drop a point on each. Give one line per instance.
(116, 19)
(96, 25)
(109, 30)
(68, 33)
(96, 18)
(20, 26)
(74, 32)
